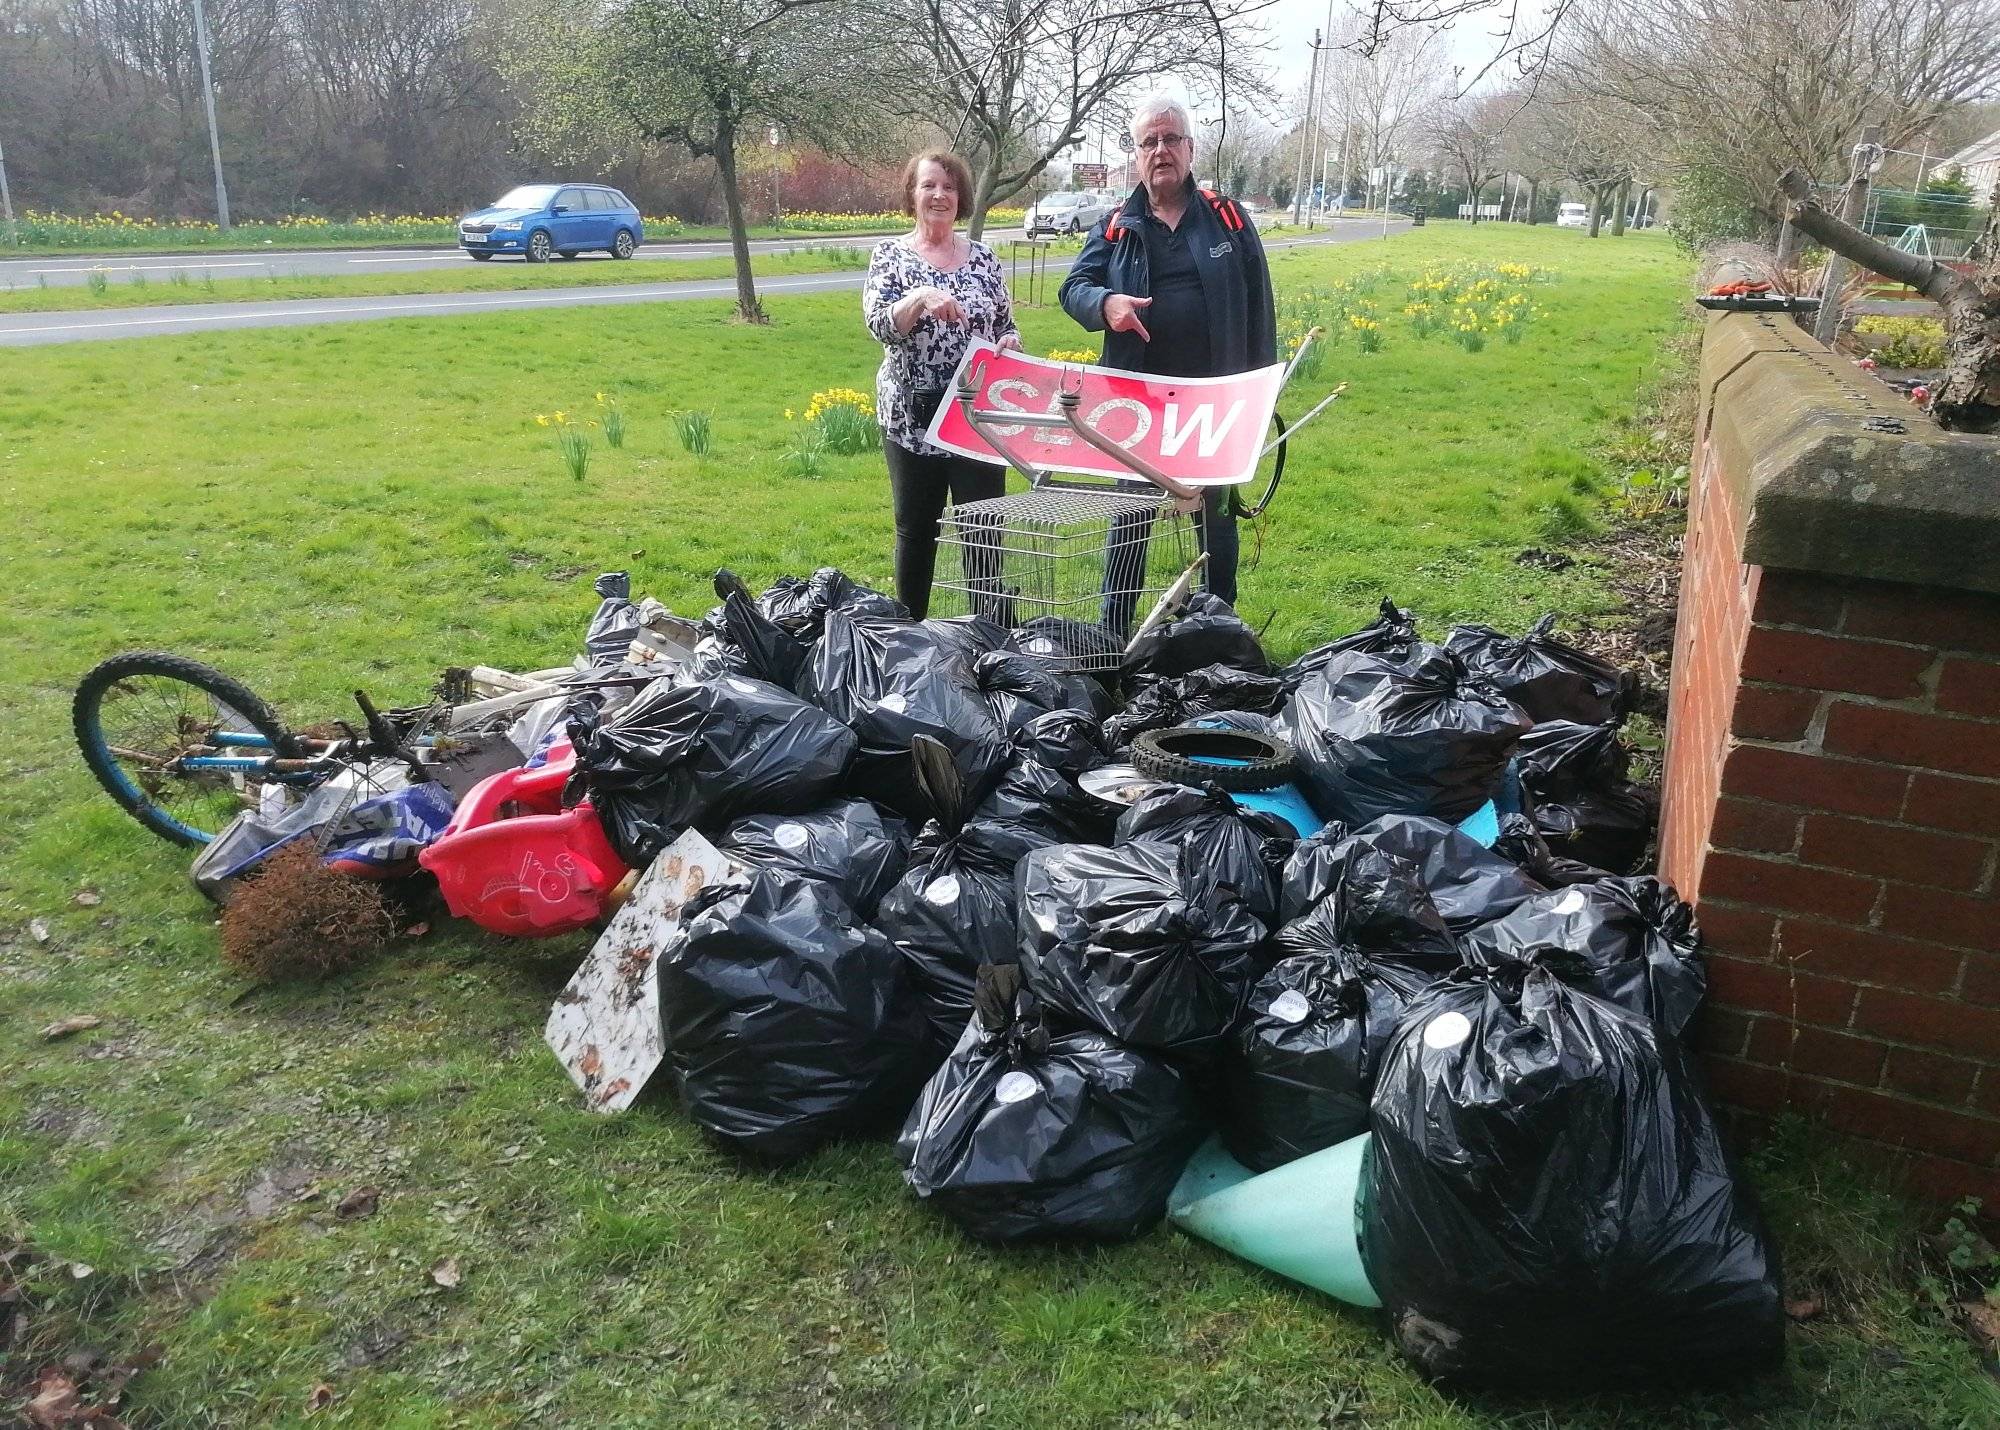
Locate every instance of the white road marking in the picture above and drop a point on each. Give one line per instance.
(136, 267)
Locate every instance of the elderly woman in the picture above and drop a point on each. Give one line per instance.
(929, 294)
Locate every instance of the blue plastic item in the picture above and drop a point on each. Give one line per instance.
(1301, 1220)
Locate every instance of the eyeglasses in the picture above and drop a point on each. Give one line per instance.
(1161, 141)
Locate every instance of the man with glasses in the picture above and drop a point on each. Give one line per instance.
(1175, 279)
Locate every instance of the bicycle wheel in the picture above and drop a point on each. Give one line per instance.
(136, 714)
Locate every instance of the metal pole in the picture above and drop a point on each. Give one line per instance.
(1852, 207)
(208, 102)
(1388, 192)
(7, 201)
(1305, 129)
(1314, 199)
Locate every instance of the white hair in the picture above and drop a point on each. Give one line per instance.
(1158, 105)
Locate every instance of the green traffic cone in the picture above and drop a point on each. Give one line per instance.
(1301, 1220)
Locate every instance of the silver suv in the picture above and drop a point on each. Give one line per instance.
(1071, 211)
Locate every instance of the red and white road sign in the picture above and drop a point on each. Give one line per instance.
(1204, 431)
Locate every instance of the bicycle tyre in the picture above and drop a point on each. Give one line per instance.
(87, 719)
(1172, 754)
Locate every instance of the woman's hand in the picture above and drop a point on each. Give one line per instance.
(1009, 343)
(931, 302)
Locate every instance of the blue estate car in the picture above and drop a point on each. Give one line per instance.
(538, 221)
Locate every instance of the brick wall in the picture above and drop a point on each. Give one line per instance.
(1832, 807)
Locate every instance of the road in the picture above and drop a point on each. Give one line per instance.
(56, 271)
(37, 329)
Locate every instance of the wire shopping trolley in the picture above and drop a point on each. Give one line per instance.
(1096, 540)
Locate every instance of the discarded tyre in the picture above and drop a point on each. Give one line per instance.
(1239, 761)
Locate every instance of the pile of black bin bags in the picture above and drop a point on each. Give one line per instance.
(940, 930)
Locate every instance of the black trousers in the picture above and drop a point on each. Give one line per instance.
(1125, 559)
(920, 484)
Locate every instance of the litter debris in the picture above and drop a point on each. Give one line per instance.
(1581, 800)
(605, 1027)
(69, 1027)
(789, 1022)
(1547, 1202)
(1032, 1131)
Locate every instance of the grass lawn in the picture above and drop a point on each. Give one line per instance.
(319, 508)
(139, 292)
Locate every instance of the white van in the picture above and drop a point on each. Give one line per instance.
(1573, 216)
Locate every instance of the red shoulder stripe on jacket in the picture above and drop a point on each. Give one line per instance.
(1114, 230)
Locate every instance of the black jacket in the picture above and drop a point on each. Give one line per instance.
(1235, 282)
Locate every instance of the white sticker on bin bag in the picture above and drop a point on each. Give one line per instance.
(790, 836)
(1015, 1087)
(894, 702)
(1291, 1005)
(741, 687)
(1447, 1030)
(942, 890)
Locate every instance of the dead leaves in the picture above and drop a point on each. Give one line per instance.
(445, 1272)
(66, 1027)
(361, 1202)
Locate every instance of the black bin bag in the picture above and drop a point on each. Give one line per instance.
(609, 639)
(1242, 847)
(1206, 632)
(1375, 735)
(800, 605)
(1018, 688)
(788, 1021)
(1546, 1204)
(1035, 1131)
(890, 681)
(684, 753)
(1038, 789)
(953, 909)
(1372, 898)
(1302, 1062)
(1161, 704)
(1142, 942)
(848, 844)
(1545, 676)
(1393, 634)
(1580, 798)
(1468, 883)
(1634, 938)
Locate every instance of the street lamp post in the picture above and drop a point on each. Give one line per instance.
(208, 102)
(777, 194)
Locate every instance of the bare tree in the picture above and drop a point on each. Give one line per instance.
(1381, 93)
(1968, 396)
(1469, 131)
(1747, 89)
(706, 75)
(1015, 83)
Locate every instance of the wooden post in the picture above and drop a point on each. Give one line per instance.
(1827, 325)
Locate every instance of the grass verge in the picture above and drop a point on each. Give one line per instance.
(319, 508)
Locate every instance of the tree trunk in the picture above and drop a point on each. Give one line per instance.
(1534, 198)
(1618, 214)
(747, 307)
(1472, 187)
(982, 200)
(1598, 193)
(1967, 398)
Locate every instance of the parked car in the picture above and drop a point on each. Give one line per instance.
(539, 221)
(1071, 211)
(1573, 216)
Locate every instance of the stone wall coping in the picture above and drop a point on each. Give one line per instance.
(1837, 473)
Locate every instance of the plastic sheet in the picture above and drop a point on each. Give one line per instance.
(1635, 939)
(1241, 847)
(1376, 736)
(371, 822)
(1033, 1132)
(1545, 676)
(788, 1021)
(848, 844)
(685, 753)
(1547, 1203)
(1142, 942)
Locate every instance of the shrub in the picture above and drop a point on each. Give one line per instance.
(1907, 342)
(299, 919)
